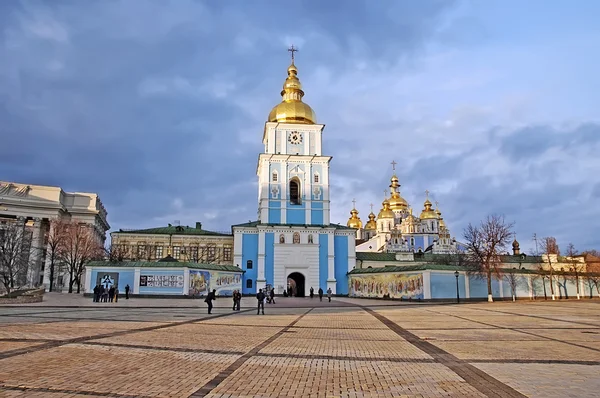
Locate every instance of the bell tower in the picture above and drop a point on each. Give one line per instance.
(293, 175)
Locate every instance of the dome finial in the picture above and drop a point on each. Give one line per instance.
(292, 109)
(293, 49)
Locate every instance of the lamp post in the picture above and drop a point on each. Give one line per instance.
(457, 295)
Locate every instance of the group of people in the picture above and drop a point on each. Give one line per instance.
(320, 293)
(261, 298)
(105, 294)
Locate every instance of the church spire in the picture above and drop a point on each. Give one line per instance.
(292, 109)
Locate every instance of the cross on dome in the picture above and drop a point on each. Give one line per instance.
(354, 203)
(371, 207)
(394, 165)
(293, 49)
(427, 193)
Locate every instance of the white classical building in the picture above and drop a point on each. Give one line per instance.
(293, 246)
(35, 206)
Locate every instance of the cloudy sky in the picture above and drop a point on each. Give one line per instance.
(159, 106)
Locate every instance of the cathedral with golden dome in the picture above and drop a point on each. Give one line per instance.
(293, 246)
(396, 229)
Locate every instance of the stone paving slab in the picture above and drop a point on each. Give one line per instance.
(291, 377)
(540, 350)
(13, 345)
(547, 380)
(195, 336)
(344, 348)
(345, 334)
(358, 320)
(113, 370)
(54, 331)
(574, 335)
(499, 335)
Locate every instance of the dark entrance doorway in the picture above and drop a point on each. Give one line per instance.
(296, 284)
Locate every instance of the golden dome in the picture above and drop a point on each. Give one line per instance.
(354, 221)
(386, 212)
(397, 202)
(371, 224)
(292, 109)
(515, 244)
(428, 213)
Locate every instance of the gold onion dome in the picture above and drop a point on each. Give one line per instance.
(292, 109)
(428, 213)
(515, 244)
(397, 202)
(386, 212)
(354, 221)
(371, 224)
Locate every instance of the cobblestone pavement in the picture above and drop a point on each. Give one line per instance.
(300, 348)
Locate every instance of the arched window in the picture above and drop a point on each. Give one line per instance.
(296, 237)
(282, 238)
(295, 191)
(310, 238)
(412, 241)
(249, 264)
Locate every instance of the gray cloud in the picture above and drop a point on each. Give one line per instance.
(159, 107)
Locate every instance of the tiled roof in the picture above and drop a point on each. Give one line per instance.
(154, 264)
(257, 223)
(172, 230)
(436, 267)
(374, 256)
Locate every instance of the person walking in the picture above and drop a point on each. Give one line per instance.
(127, 292)
(260, 296)
(96, 293)
(239, 299)
(272, 295)
(329, 294)
(312, 292)
(111, 293)
(116, 293)
(234, 300)
(209, 299)
(321, 294)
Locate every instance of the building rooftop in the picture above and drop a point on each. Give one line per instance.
(167, 264)
(173, 230)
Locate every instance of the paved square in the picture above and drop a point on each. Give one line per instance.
(301, 348)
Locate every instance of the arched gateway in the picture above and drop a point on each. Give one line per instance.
(295, 282)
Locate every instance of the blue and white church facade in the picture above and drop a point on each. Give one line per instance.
(293, 245)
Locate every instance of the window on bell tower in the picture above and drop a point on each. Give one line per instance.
(274, 177)
(295, 191)
(316, 179)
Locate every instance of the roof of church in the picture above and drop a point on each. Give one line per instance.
(439, 267)
(172, 230)
(377, 256)
(155, 264)
(257, 223)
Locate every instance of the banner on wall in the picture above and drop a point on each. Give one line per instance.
(202, 282)
(387, 285)
(172, 281)
(107, 279)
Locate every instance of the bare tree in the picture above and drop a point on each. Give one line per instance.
(80, 247)
(15, 246)
(55, 239)
(115, 253)
(514, 281)
(485, 245)
(550, 247)
(575, 265)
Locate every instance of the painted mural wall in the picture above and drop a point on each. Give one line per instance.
(202, 282)
(405, 286)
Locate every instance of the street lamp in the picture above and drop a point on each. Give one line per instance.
(457, 295)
